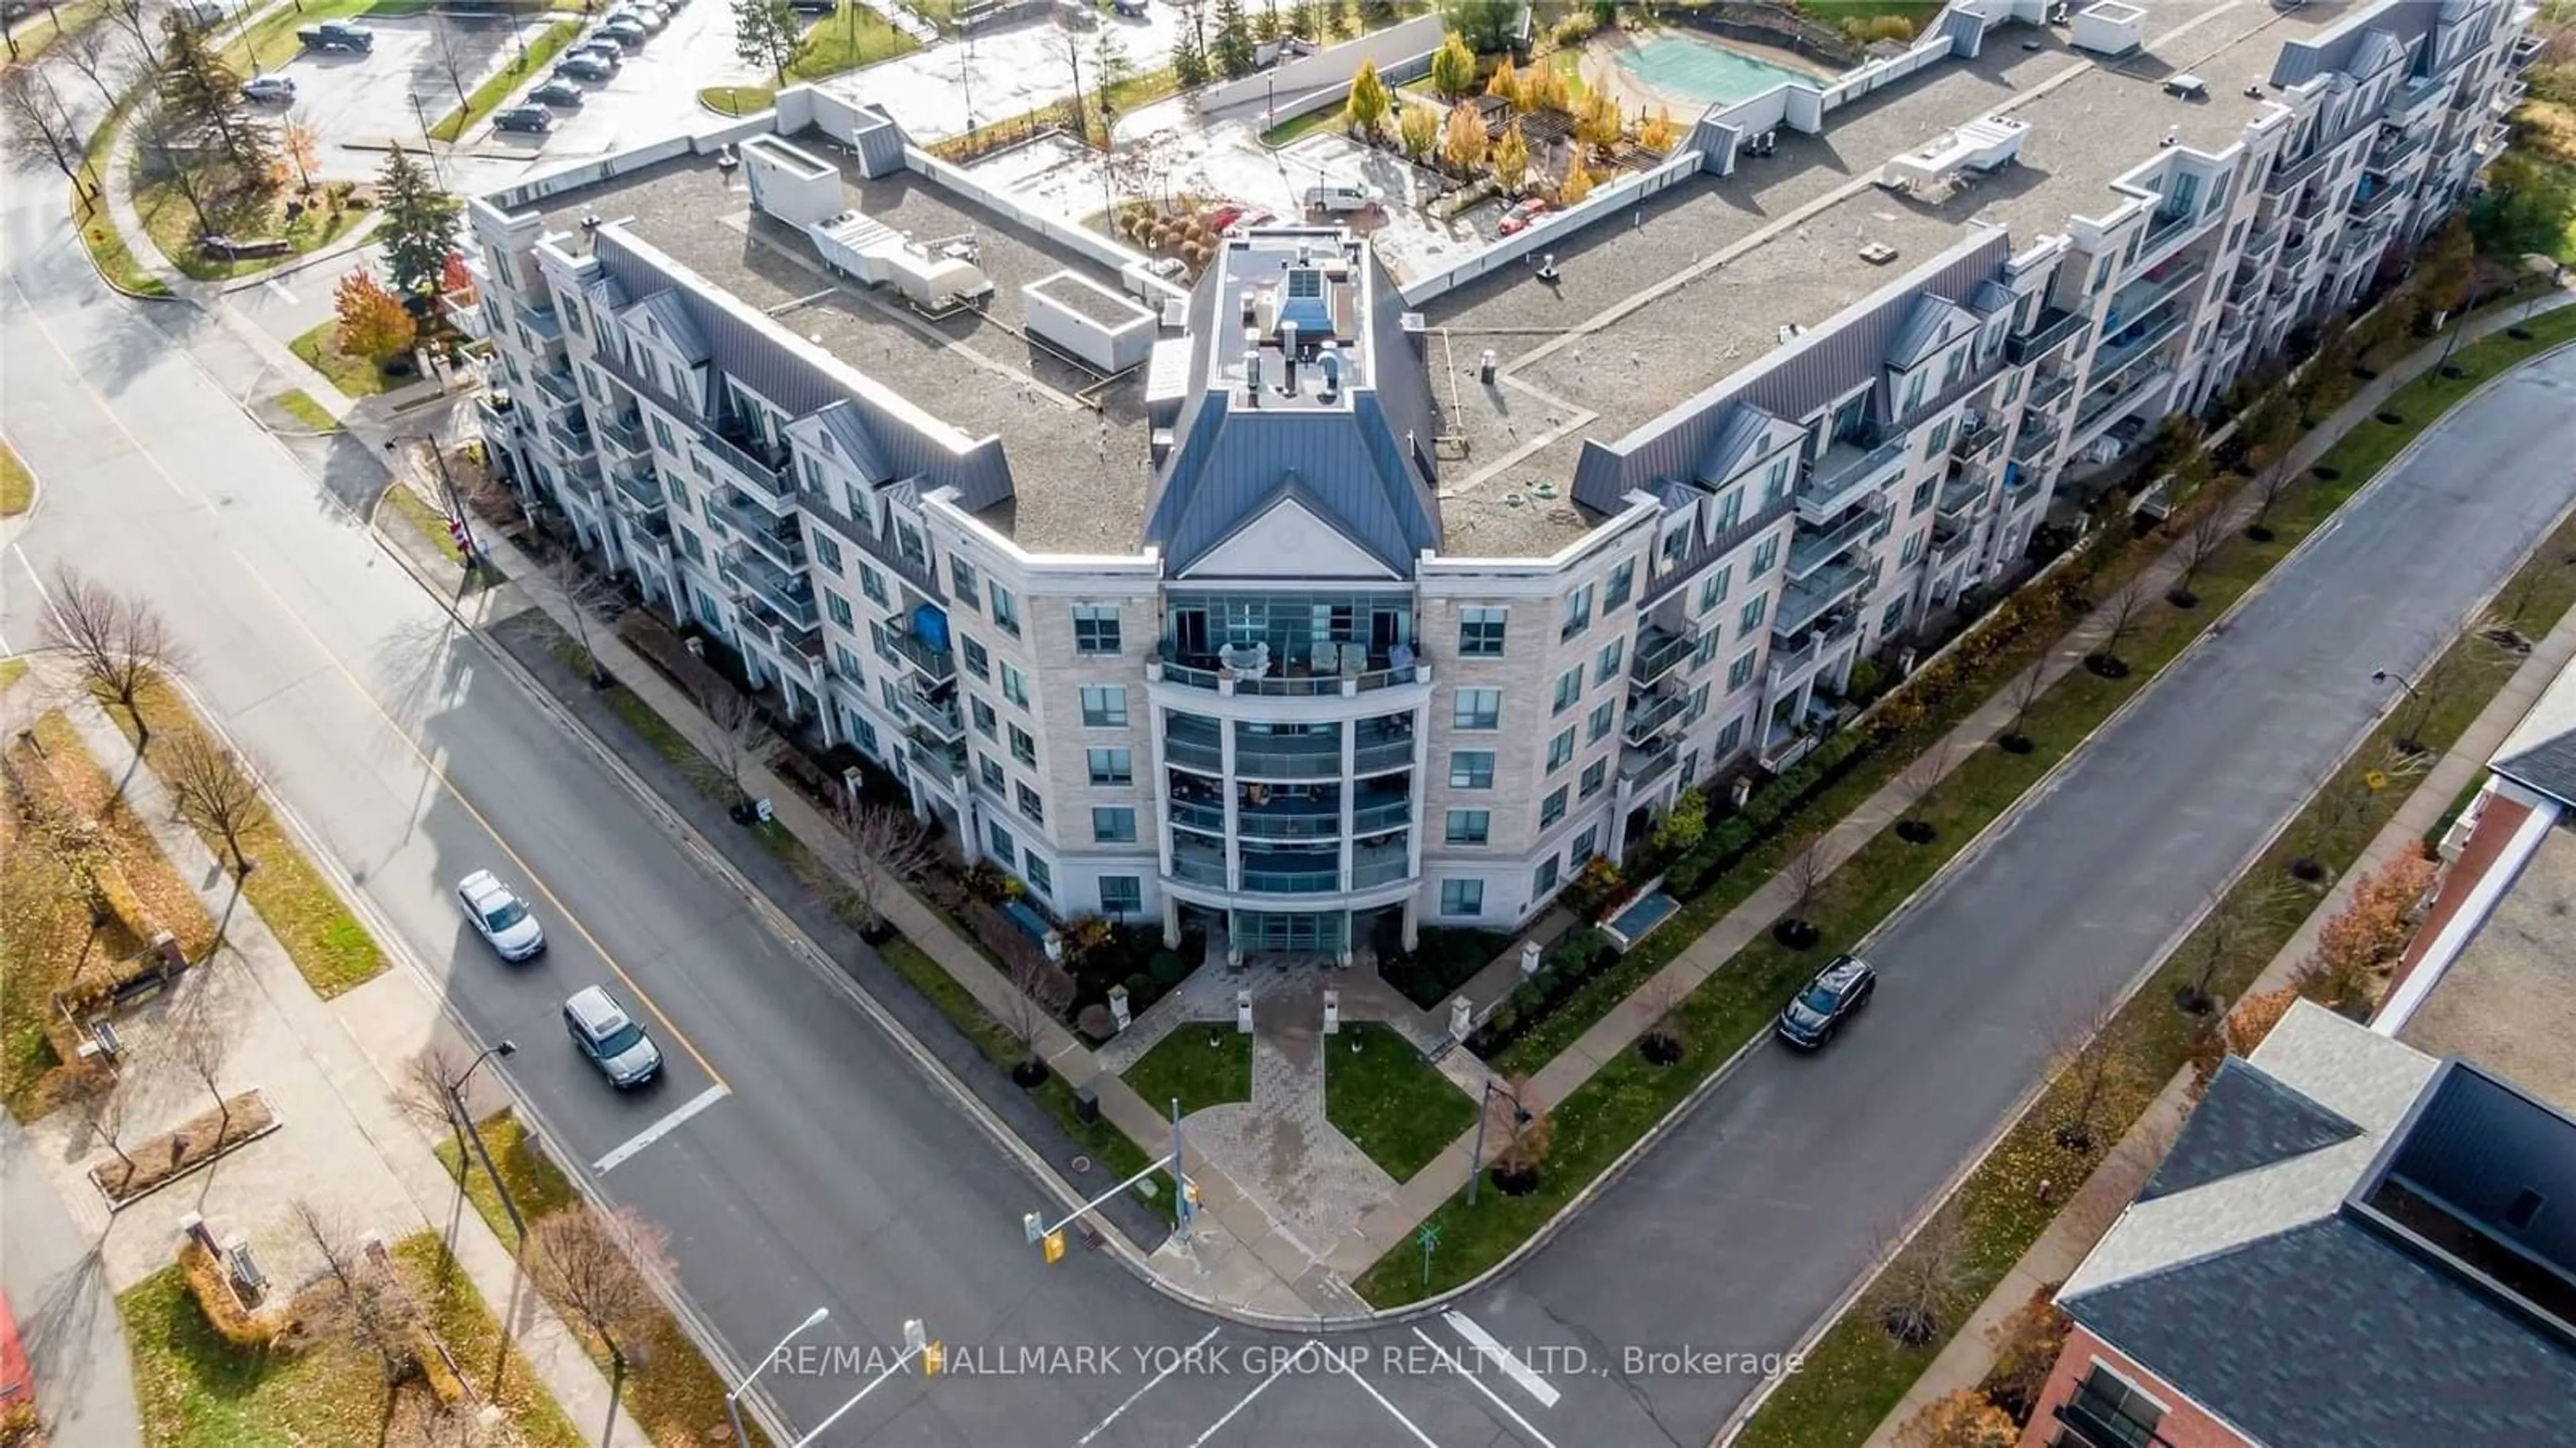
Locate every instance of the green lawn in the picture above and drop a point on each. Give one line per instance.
(196, 1390)
(519, 70)
(738, 100)
(1600, 1119)
(354, 376)
(172, 224)
(537, 1185)
(1391, 1103)
(299, 404)
(1199, 1064)
(40, 33)
(845, 40)
(17, 485)
(107, 246)
(1325, 119)
(11, 671)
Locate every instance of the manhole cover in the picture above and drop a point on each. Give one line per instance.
(1082, 1166)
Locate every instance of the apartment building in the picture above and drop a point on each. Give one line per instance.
(1313, 603)
(2350, 1243)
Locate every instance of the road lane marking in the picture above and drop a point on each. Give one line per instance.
(1447, 1359)
(279, 287)
(1257, 1390)
(1483, 1342)
(659, 1129)
(1366, 1387)
(1151, 1384)
(526, 870)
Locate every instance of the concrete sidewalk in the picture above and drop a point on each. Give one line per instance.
(2098, 1203)
(331, 1072)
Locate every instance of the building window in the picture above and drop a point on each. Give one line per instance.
(963, 583)
(1023, 748)
(1622, 579)
(1756, 609)
(991, 770)
(986, 723)
(1698, 706)
(873, 586)
(1543, 880)
(1892, 620)
(1006, 611)
(691, 548)
(1595, 774)
(1121, 896)
(846, 664)
(662, 437)
(1552, 809)
(1912, 552)
(1730, 736)
(1462, 899)
(839, 608)
(1583, 844)
(1560, 750)
(998, 841)
(1015, 685)
(1706, 648)
(1040, 877)
(1765, 553)
(1712, 589)
(1740, 673)
(1940, 437)
(1113, 824)
(1613, 654)
(2131, 1416)
(826, 552)
(1104, 706)
(1569, 689)
(1578, 612)
(1480, 633)
(1095, 628)
(1111, 766)
(1598, 725)
(978, 662)
(1730, 510)
(1471, 769)
(1914, 391)
(1031, 805)
(1922, 496)
(1477, 709)
(1469, 826)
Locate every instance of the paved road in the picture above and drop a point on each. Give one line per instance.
(66, 1320)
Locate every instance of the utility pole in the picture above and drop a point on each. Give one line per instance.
(466, 541)
(456, 1099)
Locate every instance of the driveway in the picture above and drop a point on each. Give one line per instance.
(361, 103)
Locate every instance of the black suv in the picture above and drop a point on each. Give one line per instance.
(1833, 997)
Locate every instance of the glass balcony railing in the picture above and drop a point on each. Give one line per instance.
(1648, 717)
(559, 386)
(1370, 818)
(1321, 762)
(939, 716)
(1813, 548)
(775, 537)
(790, 594)
(1658, 654)
(541, 320)
(1199, 867)
(2055, 326)
(1368, 756)
(1305, 820)
(1372, 869)
(1802, 603)
(626, 432)
(944, 760)
(1285, 678)
(639, 491)
(1198, 815)
(1193, 751)
(933, 663)
(1844, 473)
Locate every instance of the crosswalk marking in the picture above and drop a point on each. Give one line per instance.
(1513, 1368)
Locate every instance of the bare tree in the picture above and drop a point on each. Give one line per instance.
(120, 642)
(213, 790)
(1915, 1294)
(2022, 694)
(368, 1310)
(1668, 1036)
(2026, 1343)
(2231, 924)
(1040, 990)
(1915, 784)
(594, 1263)
(2091, 1056)
(1803, 872)
(584, 591)
(2270, 486)
(200, 1044)
(101, 58)
(2120, 617)
(1519, 1129)
(139, 21)
(455, 60)
(873, 851)
(35, 115)
(732, 741)
(2193, 551)
(101, 1114)
(430, 1080)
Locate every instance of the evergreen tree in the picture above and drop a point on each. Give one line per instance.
(1233, 48)
(202, 97)
(767, 33)
(1453, 69)
(1369, 101)
(1189, 62)
(419, 229)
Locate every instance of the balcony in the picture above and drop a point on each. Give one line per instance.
(946, 761)
(1375, 750)
(1381, 865)
(1648, 714)
(791, 594)
(1198, 815)
(934, 708)
(560, 386)
(1642, 767)
(763, 479)
(1658, 654)
(1291, 873)
(2117, 355)
(1802, 603)
(1288, 814)
(2123, 400)
(795, 645)
(1846, 473)
(2047, 387)
(2395, 149)
(775, 537)
(541, 321)
(1288, 757)
(1793, 656)
(2055, 325)
(1195, 747)
(637, 490)
(2153, 290)
(1811, 550)
(1961, 496)
(934, 664)
(582, 475)
(1978, 446)
(627, 432)
(2290, 174)
(570, 430)
(500, 416)
(1199, 865)
(1951, 538)
(1374, 813)
(1293, 678)
(2372, 200)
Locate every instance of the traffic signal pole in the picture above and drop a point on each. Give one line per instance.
(1050, 1236)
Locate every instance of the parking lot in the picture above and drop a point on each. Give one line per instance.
(653, 94)
(359, 103)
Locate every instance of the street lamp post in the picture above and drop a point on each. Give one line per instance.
(447, 486)
(2406, 740)
(1484, 1111)
(733, 1414)
(456, 1098)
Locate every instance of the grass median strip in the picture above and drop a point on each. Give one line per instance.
(301, 907)
(1391, 1103)
(17, 485)
(523, 66)
(1628, 1095)
(670, 1388)
(299, 405)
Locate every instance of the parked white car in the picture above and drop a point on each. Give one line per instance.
(500, 916)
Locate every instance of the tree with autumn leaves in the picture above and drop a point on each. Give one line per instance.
(2369, 932)
(373, 322)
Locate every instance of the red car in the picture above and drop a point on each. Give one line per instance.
(1521, 217)
(16, 1385)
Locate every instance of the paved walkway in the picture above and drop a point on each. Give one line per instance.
(331, 1071)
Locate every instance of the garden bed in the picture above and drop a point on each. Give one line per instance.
(146, 1166)
(1391, 1103)
(1624, 1099)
